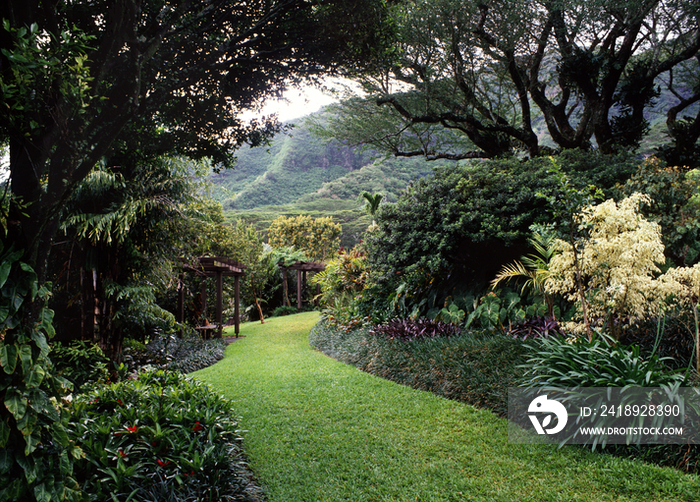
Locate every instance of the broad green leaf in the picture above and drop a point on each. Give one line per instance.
(46, 317)
(27, 423)
(5, 272)
(35, 376)
(59, 434)
(16, 403)
(65, 464)
(25, 355)
(8, 358)
(40, 339)
(18, 299)
(4, 312)
(31, 442)
(41, 493)
(28, 463)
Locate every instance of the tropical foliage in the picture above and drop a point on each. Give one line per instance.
(36, 454)
(675, 206)
(534, 267)
(343, 279)
(319, 238)
(123, 228)
(141, 443)
(454, 230)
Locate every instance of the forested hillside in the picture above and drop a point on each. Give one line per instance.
(299, 166)
(299, 173)
(294, 164)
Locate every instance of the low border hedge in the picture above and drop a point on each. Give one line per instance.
(475, 368)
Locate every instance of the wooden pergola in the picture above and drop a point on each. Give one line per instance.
(302, 268)
(217, 267)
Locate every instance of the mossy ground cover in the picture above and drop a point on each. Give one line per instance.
(321, 430)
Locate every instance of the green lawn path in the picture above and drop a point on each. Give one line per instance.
(320, 430)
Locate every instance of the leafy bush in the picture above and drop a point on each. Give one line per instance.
(408, 330)
(80, 362)
(283, 310)
(161, 437)
(610, 269)
(562, 362)
(496, 313)
(472, 368)
(675, 207)
(458, 226)
(319, 237)
(343, 278)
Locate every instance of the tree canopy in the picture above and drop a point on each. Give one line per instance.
(473, 79)
(85, 81)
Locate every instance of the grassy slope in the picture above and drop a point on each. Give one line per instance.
(320, 430)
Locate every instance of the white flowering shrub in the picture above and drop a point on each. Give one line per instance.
(612, 270)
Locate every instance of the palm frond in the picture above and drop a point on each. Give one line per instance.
(512, 271)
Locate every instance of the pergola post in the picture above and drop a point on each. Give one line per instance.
(210, 266)
(204, 299)
(236, 308)
(219, 301)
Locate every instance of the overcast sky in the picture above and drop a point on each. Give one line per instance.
(301, 102)
(298, 103)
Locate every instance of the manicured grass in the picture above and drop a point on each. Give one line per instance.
(320, 430)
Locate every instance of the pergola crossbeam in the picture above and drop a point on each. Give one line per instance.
(217, 267)
(301, 267)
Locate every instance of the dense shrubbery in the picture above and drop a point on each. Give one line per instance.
(172, 353)
(80, 363)
(161, 437)
(474, 368)
(598, 272)
(284, 310)
(562, 362)
(453, 230)
(675, 207)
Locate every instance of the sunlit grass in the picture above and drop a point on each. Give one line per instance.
(320, 430)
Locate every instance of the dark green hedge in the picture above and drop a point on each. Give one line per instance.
(472, 368)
